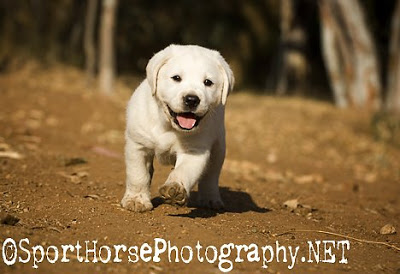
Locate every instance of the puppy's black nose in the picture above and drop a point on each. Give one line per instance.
(191, 101)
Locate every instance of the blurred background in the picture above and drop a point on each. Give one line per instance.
(344, 51)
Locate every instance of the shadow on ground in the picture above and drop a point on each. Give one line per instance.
(235, 202)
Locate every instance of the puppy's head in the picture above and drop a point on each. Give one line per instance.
(188, 82)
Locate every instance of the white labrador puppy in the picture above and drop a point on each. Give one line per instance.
(177, 116)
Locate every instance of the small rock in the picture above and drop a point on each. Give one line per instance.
(308, 179)
(75, 161)
(370, 177)
(92, 196)
(52, 121)
(36, 114)
(81, 174)
(388, 229)
(9, 220)
(271, 158)
(33, 124)
(292, 204)
(4, 147)
(75, 177)
(156, 268)
(11, 155)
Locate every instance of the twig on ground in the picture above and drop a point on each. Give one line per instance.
(339, 235)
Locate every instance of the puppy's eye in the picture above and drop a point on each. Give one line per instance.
(176, 78)
(208, 83)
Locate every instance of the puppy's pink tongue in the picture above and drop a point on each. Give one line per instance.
(186, 120)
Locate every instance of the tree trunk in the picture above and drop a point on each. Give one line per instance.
(336, 53)
(349, 54)
(88, 40)
(393, 74)
(106, 59)
(293, 63)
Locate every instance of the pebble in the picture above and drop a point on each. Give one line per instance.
(388, 229)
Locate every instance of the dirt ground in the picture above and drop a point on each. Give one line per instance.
(296, 170)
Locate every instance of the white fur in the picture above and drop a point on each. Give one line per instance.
(197, 154)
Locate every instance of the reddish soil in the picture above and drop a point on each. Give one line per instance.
(323, 163)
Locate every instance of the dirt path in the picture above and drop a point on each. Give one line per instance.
(291, 164)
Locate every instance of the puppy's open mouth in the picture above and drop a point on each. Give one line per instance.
(185, 120)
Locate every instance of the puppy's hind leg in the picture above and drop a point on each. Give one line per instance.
(139, 171)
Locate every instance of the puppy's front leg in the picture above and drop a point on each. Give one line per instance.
(139, 171)
(209, 196)
(188, 170)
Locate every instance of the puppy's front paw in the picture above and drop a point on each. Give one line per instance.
(136, 203)
(216, 204)
(174, 193)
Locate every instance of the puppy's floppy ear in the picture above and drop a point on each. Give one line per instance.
(229, 79)
(154, 66)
